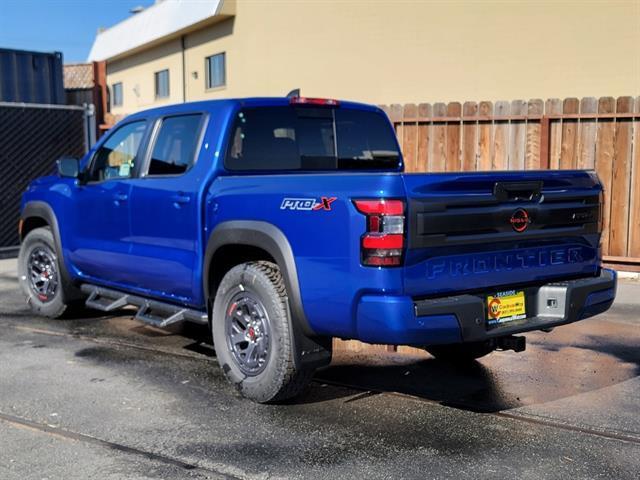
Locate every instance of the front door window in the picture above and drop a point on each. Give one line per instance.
(116, 158)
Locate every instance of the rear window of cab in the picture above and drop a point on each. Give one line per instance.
(311, 138)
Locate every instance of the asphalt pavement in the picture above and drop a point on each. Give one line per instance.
(105, 397)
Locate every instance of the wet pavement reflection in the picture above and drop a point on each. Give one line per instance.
(575, 359)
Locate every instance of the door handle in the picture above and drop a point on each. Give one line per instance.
(181, 198)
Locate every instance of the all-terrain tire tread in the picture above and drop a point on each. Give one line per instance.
(59, 306)
(294, 379)
(284, 379)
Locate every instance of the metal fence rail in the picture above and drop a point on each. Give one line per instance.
(32, 137)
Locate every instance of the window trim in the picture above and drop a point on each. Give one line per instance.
(211, 88)
(153, 138)
(113, 88)
(143, 145)
(155, 81)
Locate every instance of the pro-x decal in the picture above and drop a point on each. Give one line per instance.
(324, 203)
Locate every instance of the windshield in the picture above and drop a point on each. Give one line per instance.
(308, 138)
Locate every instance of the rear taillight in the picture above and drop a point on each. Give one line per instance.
(383, 243)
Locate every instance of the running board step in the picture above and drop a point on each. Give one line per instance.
(153, 312)
(107, 301)
(154, 315)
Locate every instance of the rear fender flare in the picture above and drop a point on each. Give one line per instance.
(311, 350)
(267, 237)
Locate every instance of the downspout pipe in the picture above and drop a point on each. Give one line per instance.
(184, 71)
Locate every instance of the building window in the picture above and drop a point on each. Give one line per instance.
(116, 90)
(162, 84)
(216, 71)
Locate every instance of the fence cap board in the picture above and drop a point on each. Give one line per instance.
(535, 107)
(624, 105)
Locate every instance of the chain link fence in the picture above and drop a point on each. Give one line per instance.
(32, 138)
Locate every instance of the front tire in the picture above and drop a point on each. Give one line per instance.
(40, 276)
(253, 334)
(462, 352)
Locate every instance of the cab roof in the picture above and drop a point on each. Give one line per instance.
(233, 103)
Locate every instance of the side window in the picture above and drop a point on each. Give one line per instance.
(216, 74)
(264, 139)
(174, 150)
(162, 83)
(116, 95)
(117, 156)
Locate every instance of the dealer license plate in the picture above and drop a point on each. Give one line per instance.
(506, 307)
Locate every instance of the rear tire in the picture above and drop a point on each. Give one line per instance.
(40, 276)
(253, 335)
(462, 352)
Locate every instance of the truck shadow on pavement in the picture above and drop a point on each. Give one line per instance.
(473, 387)
(549, 370)
(582, 358)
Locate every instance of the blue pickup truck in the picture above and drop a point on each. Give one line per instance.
(284, 222)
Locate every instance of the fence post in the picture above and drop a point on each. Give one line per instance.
(545, 160)
(89, 125)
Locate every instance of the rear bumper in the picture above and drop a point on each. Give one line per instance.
(402, 321)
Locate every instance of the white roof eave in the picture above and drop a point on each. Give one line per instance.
(159, 20)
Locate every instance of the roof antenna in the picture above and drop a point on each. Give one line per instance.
(294, 93)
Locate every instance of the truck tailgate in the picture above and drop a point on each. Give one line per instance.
(490, 231)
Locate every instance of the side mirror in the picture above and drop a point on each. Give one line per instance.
(68, 167)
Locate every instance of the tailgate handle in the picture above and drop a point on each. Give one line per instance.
(517, 191)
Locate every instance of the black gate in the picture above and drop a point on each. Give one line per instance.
(32, 138)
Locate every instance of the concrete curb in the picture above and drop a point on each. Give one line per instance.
(629, 275)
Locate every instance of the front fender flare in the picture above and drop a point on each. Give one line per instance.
(43, 210)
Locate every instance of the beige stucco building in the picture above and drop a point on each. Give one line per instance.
(378, 51)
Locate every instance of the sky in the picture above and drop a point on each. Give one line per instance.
(67, 26)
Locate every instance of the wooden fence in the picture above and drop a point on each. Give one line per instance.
(589, 133)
